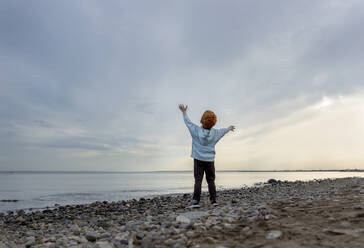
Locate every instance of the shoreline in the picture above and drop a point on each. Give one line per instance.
(35, 203)
(275, 215)
(168, 171)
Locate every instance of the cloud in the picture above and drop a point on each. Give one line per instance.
(88, 77)
(320, 136)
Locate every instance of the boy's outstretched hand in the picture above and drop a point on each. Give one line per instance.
(231, 128)
(183, 108)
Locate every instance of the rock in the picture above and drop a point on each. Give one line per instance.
(140, 235)
(228, 226)
(210, 240)
(122, 236)
(20, 219)
(345, 224)
(190, 234)
(20, 212)
(183, 219)
(193, 215)
(169, 242)
(91, 236)
(103, 244)
(274, 234)
(211, 221)
(59, 243)
(147, 242)
(355, 232)
(48, 245)
(124, 242)
(30, 241)
(186, 225)
(105, 235)
(272, 181)
(75, 229)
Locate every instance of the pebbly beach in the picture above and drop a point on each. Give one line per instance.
(317, 213)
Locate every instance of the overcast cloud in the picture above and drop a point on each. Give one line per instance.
(94, 85)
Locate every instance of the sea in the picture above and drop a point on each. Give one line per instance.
(40, 190)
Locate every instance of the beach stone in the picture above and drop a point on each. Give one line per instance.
(274, 234)
(140, 235)
(358, 207)
(272, 181)
(20, 212)
(169, 242)
(123, 242)
(59, 243)
(75, 229)
(148, 242)
(183, 219)
(345, 224)
(210, 240)
(91, 236)
(48, 245)
(20, 219)
(211, 221)
(194, 214)
(122, 236)
(228, 226)
(103, 244)
(355, 233)
(30, 241)
(190, 234)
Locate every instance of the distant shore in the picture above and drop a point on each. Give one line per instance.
(318, 213)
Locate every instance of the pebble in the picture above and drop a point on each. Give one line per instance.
(124, 242)
(140, 235)
(183, 219)
(30, 241)
(91, 236)
(274, 234)
(20, 212)
(345, 224)
(75, 229)
(169, 242)
(103, 244)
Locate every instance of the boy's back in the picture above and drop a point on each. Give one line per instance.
(203, 140)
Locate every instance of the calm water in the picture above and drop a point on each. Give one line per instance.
(39, 190)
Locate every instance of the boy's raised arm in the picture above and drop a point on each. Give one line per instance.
(190, 125)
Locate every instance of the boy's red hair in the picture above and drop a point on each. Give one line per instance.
(208, 119)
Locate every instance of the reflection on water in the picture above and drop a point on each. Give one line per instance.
(38, 190)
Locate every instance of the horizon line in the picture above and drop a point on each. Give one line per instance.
(166, 171)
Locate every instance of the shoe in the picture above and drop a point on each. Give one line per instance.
(214, 203)
(194, 204)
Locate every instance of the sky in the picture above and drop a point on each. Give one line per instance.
(95, 85)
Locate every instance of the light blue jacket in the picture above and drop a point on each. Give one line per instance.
(204, 140)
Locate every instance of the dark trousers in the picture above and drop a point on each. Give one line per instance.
(199, 168)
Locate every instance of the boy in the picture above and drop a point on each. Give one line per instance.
(204, 139)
